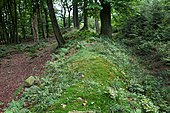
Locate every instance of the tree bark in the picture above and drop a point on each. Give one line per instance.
(64, 16)
(46, 20)
(41, 20)
(75, 14)
(35, 27)
(11, 28)
(55, 25)
(7, 32)
(69, 8)
(97, 22)
(22, 22)
(3, 30)
(105, 16)
(97, 25)
(69, 19)
(85, 27)
(16, 22)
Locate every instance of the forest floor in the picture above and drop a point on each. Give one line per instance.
(88, 74)
(18, 66)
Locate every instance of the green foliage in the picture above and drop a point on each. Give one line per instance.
(147, 34)
(97, 76)
(150, 24)
(16, 107)
(30, 49)
(94, 10)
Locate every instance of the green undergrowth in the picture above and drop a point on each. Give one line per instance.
(30, 49)
(93, 74)
(146, 34)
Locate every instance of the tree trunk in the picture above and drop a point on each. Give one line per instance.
(55, 25)
(35, 27)
(42, 22)
(3, 39)
(69, 8)
(85, 27)
(2, 36)
(69, 20)
(11, 27)
(75, 15)
(64, 17)
(97, 25)
(35, 22)
(22, 22)
(46, 20)
(105, 16)
(7, 32)
(97, 22)
(16, 23)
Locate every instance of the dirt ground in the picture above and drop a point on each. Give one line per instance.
(15, 68)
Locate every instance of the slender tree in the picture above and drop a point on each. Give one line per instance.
(46, 21)
(75, 14)
(55, 25)
(97, 22)
(69, 8)
(35, 21)
(85, 15)
(41, 18)
(63, 11)
(22, 20)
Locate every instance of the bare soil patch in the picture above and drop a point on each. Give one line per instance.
(15, 68)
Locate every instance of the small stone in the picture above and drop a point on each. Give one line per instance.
(79, 98)
(30, 80)
(63, 106)
(85, 103)
(92, 102)
(82, 76)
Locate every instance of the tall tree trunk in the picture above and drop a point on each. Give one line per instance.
(105, 16)
(16, 22)
(69, 19)
(11, 28)
(2, 36)
(46, 21)
(85, 27)
(35, 22)
(41, 20)
(3, 29)
(75, 14)
(97, 25)
(69, 8)
(64, 17)
(97, 22)
(30, 26)
(22, 22)
(7, 32)
(35, 27)
(55, 25)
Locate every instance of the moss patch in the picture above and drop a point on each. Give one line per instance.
(88, 94)
(92, 66)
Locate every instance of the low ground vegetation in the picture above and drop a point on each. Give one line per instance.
(30, 49)
(147, 35)
(91, 73)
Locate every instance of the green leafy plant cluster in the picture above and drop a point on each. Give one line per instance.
(99, 76)
(30, 49)
(147, 33)
(148, 26)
